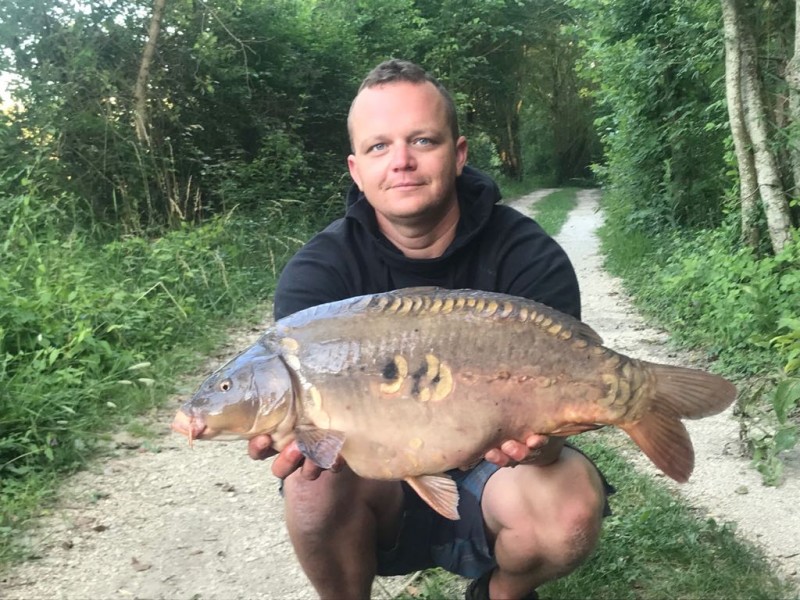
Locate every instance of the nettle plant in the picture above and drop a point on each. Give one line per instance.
(777, 428)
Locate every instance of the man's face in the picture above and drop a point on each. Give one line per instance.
(404, 157)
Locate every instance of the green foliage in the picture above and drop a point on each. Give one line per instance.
(656, 73)
(739, 307)
(709, 291)
(91, 333)
(655, 547)
(788, 343)
(769, 431)
(483, 154)
(558, 137)
(248, 98)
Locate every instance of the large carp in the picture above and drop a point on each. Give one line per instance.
(410, 383)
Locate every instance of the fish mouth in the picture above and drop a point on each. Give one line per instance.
(191, 426)
(195, 427)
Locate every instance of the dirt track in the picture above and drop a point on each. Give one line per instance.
(161, 521)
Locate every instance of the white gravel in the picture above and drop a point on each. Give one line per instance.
(162, 521)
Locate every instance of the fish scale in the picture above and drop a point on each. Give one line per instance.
(408, 384)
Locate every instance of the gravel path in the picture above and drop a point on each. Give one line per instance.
(158, 520)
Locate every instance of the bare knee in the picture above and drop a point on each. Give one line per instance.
(547, 519)
(577, 528)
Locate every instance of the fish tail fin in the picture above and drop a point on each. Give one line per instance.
(691, 393)
(680, 393)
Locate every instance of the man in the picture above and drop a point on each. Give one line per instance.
(419, 216)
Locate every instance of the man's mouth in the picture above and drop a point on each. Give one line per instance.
(405, 185)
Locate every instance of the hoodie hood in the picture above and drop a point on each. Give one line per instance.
(477, 194)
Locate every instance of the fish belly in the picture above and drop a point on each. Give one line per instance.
(397, 434)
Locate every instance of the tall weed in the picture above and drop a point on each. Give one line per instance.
(91, 332)
(710, 291)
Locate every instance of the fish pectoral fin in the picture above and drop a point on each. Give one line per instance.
(322, 446)
(439, 491)
(575, 428)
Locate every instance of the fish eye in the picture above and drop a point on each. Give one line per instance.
(225, 385)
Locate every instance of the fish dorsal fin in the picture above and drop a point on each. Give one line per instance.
(419, 289)
(322, 446)
(439, 491)
(587, 332)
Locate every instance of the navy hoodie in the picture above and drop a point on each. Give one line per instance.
(495, 249)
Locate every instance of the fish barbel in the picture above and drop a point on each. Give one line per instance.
(408, 384)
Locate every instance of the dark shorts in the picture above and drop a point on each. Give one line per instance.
(428, 540)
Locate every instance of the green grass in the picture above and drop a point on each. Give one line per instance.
(552, 211)
(514, 188)
(653, 547)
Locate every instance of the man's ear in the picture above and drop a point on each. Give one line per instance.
(351, 165)
(461, 154)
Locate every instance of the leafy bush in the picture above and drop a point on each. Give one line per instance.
(771, 429)
(656, 75)
(91, 333)
(709, 290)
(724, 297)
(483, 154)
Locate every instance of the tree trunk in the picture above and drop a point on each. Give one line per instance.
(748, 185)
(140, 89)
(776, 207)
(793, 82)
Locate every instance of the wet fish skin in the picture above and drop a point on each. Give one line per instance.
(411, 383)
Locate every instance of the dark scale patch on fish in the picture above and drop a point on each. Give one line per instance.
(390, 371)
(417, 376)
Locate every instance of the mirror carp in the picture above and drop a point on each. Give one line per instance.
(408, 384)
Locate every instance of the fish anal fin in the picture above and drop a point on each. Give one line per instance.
(663, 438)
(439, 491)
(575, 428)
(322, 446)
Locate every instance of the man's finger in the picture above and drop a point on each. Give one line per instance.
(310, 471)
(338, 464)
(260, 447)
(535, 441)
(515, 450)
(497, 457)
(287, 461)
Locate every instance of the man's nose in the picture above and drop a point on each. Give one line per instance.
(403, 158)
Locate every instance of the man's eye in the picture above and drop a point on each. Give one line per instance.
(423, 141)
(376, 147)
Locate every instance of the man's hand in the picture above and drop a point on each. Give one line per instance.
(540, 450)
(288, 460)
